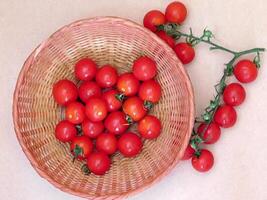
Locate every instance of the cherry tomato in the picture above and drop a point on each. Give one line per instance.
(64, 92)
(185, 52)
(107, 143)
(134, 108)
(212, 132)
(144, 68)
(152, 19)
(75, 112)
(85, 69)
(116, 122)
(92, 129)
(98, 163)
(225, 116)
(165, 37)
(128, 84)
(234, 94)
(81, 147)
(189, 152)
(150, 91)
(96, 109)
(130, 144)
(204, 162)
(106, 76)
(65, 131)
(149, 127)
(112, 98)
(176, 12)
(245, 71)
(89, 89)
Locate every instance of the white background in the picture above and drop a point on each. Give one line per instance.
(240, 170)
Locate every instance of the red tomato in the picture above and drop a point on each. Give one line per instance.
(128, 84)
(75, 112)
(225, 116)
(189, 152)
(107, 143)
(130, 144)
(204, 162)
(96, 109)
(134, 108)
(212, 132)
(149, 127)
(116, 122)
(245, 71)
(150, 91)
(92, 129)
(152, 19)
(81, 147)
(64, 92)
(144, 68)
(112, 100)
(165, 37)
(185, 52)
(106, 76)
(65, 131)
(98, 163)
(234, 94)
(176, 12)
(85, 69)
(89, 89)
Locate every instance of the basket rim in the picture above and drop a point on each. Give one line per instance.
(27, 64)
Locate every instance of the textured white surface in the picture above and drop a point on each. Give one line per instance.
(240, 155)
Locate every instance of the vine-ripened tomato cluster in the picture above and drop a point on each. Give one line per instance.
(100, 109)
(221, 112)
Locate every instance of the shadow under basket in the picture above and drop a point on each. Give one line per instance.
(106, 40)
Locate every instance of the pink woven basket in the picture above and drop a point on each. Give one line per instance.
(106, 40)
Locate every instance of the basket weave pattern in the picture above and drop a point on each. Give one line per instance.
(107, 40)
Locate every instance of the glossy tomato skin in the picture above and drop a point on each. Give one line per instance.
(165, 37)
(107, 143)
(234, 94)
(92, 129)
(98, 163)
(96, 109)
(204, 162)
(152, 19)
(225, 116)
(189, 152)
(106, 76)
(185, 52)
(64, 92)
(75, 112)
(89, 89)
(113, 103)
(127, 84)
(116, 123)
(65, 131)
(210, 134)
(85, 69)
(176, 12)
(83, 145)
(144, 68)
(130, 144)
(149, 127)
(245, 71)
(150, 91)
(134, 108)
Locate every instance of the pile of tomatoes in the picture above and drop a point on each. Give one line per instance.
(101, 107)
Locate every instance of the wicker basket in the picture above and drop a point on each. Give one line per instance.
(106, 40)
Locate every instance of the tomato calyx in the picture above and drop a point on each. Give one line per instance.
(86, 171)
(120, 97)
(148, 105)
(129, 120)
(77, 151)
